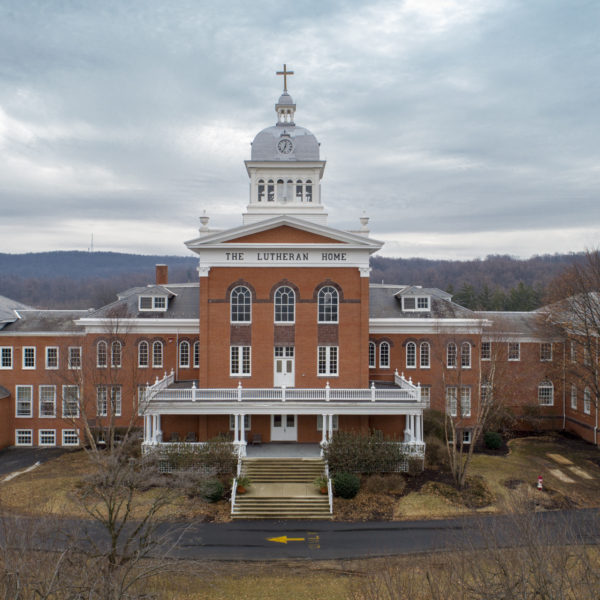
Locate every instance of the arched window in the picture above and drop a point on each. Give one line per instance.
(196, 354)
(280, 190)
(299, 190)
(384, 355)
(425, 355)
(328, 305)
(289, 190)
(372, 364)
(143, 354)
(115, 354)
(261, 190)
(587, 401)
(270, 191)
(101, 354)
(411, 355)
(308, 191)
(157, 354)
(184, 355)
(285, 300)
(451, 355)
(465, 355)
(546, 393)
(241, 304)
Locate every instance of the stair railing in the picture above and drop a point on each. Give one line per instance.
(329, 488)
(233, 493)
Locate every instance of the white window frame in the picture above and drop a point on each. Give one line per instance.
(196, 351)
(157, 303)
(242, 356)
(284, 289)
(66, 414)
(384, 355)
(465, 401)
(511, 354)
(116, 400)
(466, 436)
(28, 355)
(486, 350)
(573, 397)
(102, 354)
(372, 355)
(184, 363)
(424, 301)
(72, 434)
(157, 364)
(141, 364)
(75, 355)
(102, 401)
(546, 393)
(485, 393)
(47, 353)
(46, 432)
(335, 422)
(587, 401)
(329, 357)
(6, 357)
(116, 356)
(572, 351)
(23, 432)
(327, 311)
(465, 356)
(545, 351)
(451, 355)
(452, 400)
(234, 315)
(42, 403)
(29, 413)
(411, 355)
(247, 422)
(426, 394)
(425, 353)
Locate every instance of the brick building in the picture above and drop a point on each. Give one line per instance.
(283, 338)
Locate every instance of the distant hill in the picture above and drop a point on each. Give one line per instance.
(84, 279)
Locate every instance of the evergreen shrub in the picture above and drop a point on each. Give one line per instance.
(492, 439)
(346, 485)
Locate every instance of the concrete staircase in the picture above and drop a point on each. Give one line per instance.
(282, 488)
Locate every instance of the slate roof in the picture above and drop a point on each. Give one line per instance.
(515, 324)
(183, 303)
(46, 321)
(8, 308)
(385, 303)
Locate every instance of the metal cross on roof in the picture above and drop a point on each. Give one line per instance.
(285, 73)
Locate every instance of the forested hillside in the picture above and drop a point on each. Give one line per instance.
(84, 279)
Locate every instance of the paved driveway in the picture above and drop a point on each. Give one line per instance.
(17, 459)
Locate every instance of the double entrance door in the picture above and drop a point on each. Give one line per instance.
(284, 428)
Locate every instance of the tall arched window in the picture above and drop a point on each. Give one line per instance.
(157, 354)
(299, 190)
(587, 401)
(384, 355)
(261, 190)
(451, 355)
(184, 355)
(328, 304)
(465, 355)
(372, 355)
(143, 354)
(196, 354)
(280, 190)
(115, 354)
(285, 300)
(425, 355)
(546, 393)
(270, 191)
(241, 305)
(308, 191)
(411, 355)
(101, 354)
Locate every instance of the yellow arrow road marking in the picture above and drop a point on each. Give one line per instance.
(284, 539)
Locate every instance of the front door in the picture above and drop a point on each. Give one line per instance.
(284, 366)
(284, 428)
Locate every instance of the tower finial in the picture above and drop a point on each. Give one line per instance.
(285, 73)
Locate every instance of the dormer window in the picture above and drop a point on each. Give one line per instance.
(153, 303)
(415, 303)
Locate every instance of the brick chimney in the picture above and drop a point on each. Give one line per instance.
(162, 274)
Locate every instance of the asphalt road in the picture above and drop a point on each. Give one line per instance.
(17, 459)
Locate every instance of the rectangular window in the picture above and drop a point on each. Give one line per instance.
(51, 357)
(426, 394)
(70, 404)
(486, 393)
(74, 357)
(372, 364)
(196, 354)
(24, 399)
(327, 360)
(247, 423)
(29, 357)
(451, 400)
(486, 350)
(574, 397)
(415, 303)
(70, 437)
(152, 303)
(465, 401)
(101, 401)
(47, 400)
(6, 357)
(240, 360)
(514, 351)
(545, 351)
(335, 421)
(425, 355)
(47, 437)
(115, 400)
(384, 355)
(23, 437)
(586, 356)
(572, 351)
(466, 436)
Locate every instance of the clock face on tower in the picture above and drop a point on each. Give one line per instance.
(285, 146)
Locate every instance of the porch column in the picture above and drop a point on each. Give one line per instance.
(324, 429)
(154, 429)
(147, 428)
(419, 428)
(158, 433)
(330, 432)
(236, 431)
(242, 429)
(407, 428)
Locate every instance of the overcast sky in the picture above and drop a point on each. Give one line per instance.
(462, 127)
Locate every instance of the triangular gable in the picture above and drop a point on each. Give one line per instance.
(284, 234)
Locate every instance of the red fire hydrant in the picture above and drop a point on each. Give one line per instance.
(540, 484)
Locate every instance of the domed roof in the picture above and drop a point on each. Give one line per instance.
(304, 144)
(285, 98)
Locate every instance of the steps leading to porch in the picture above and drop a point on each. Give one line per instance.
(282, 488)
